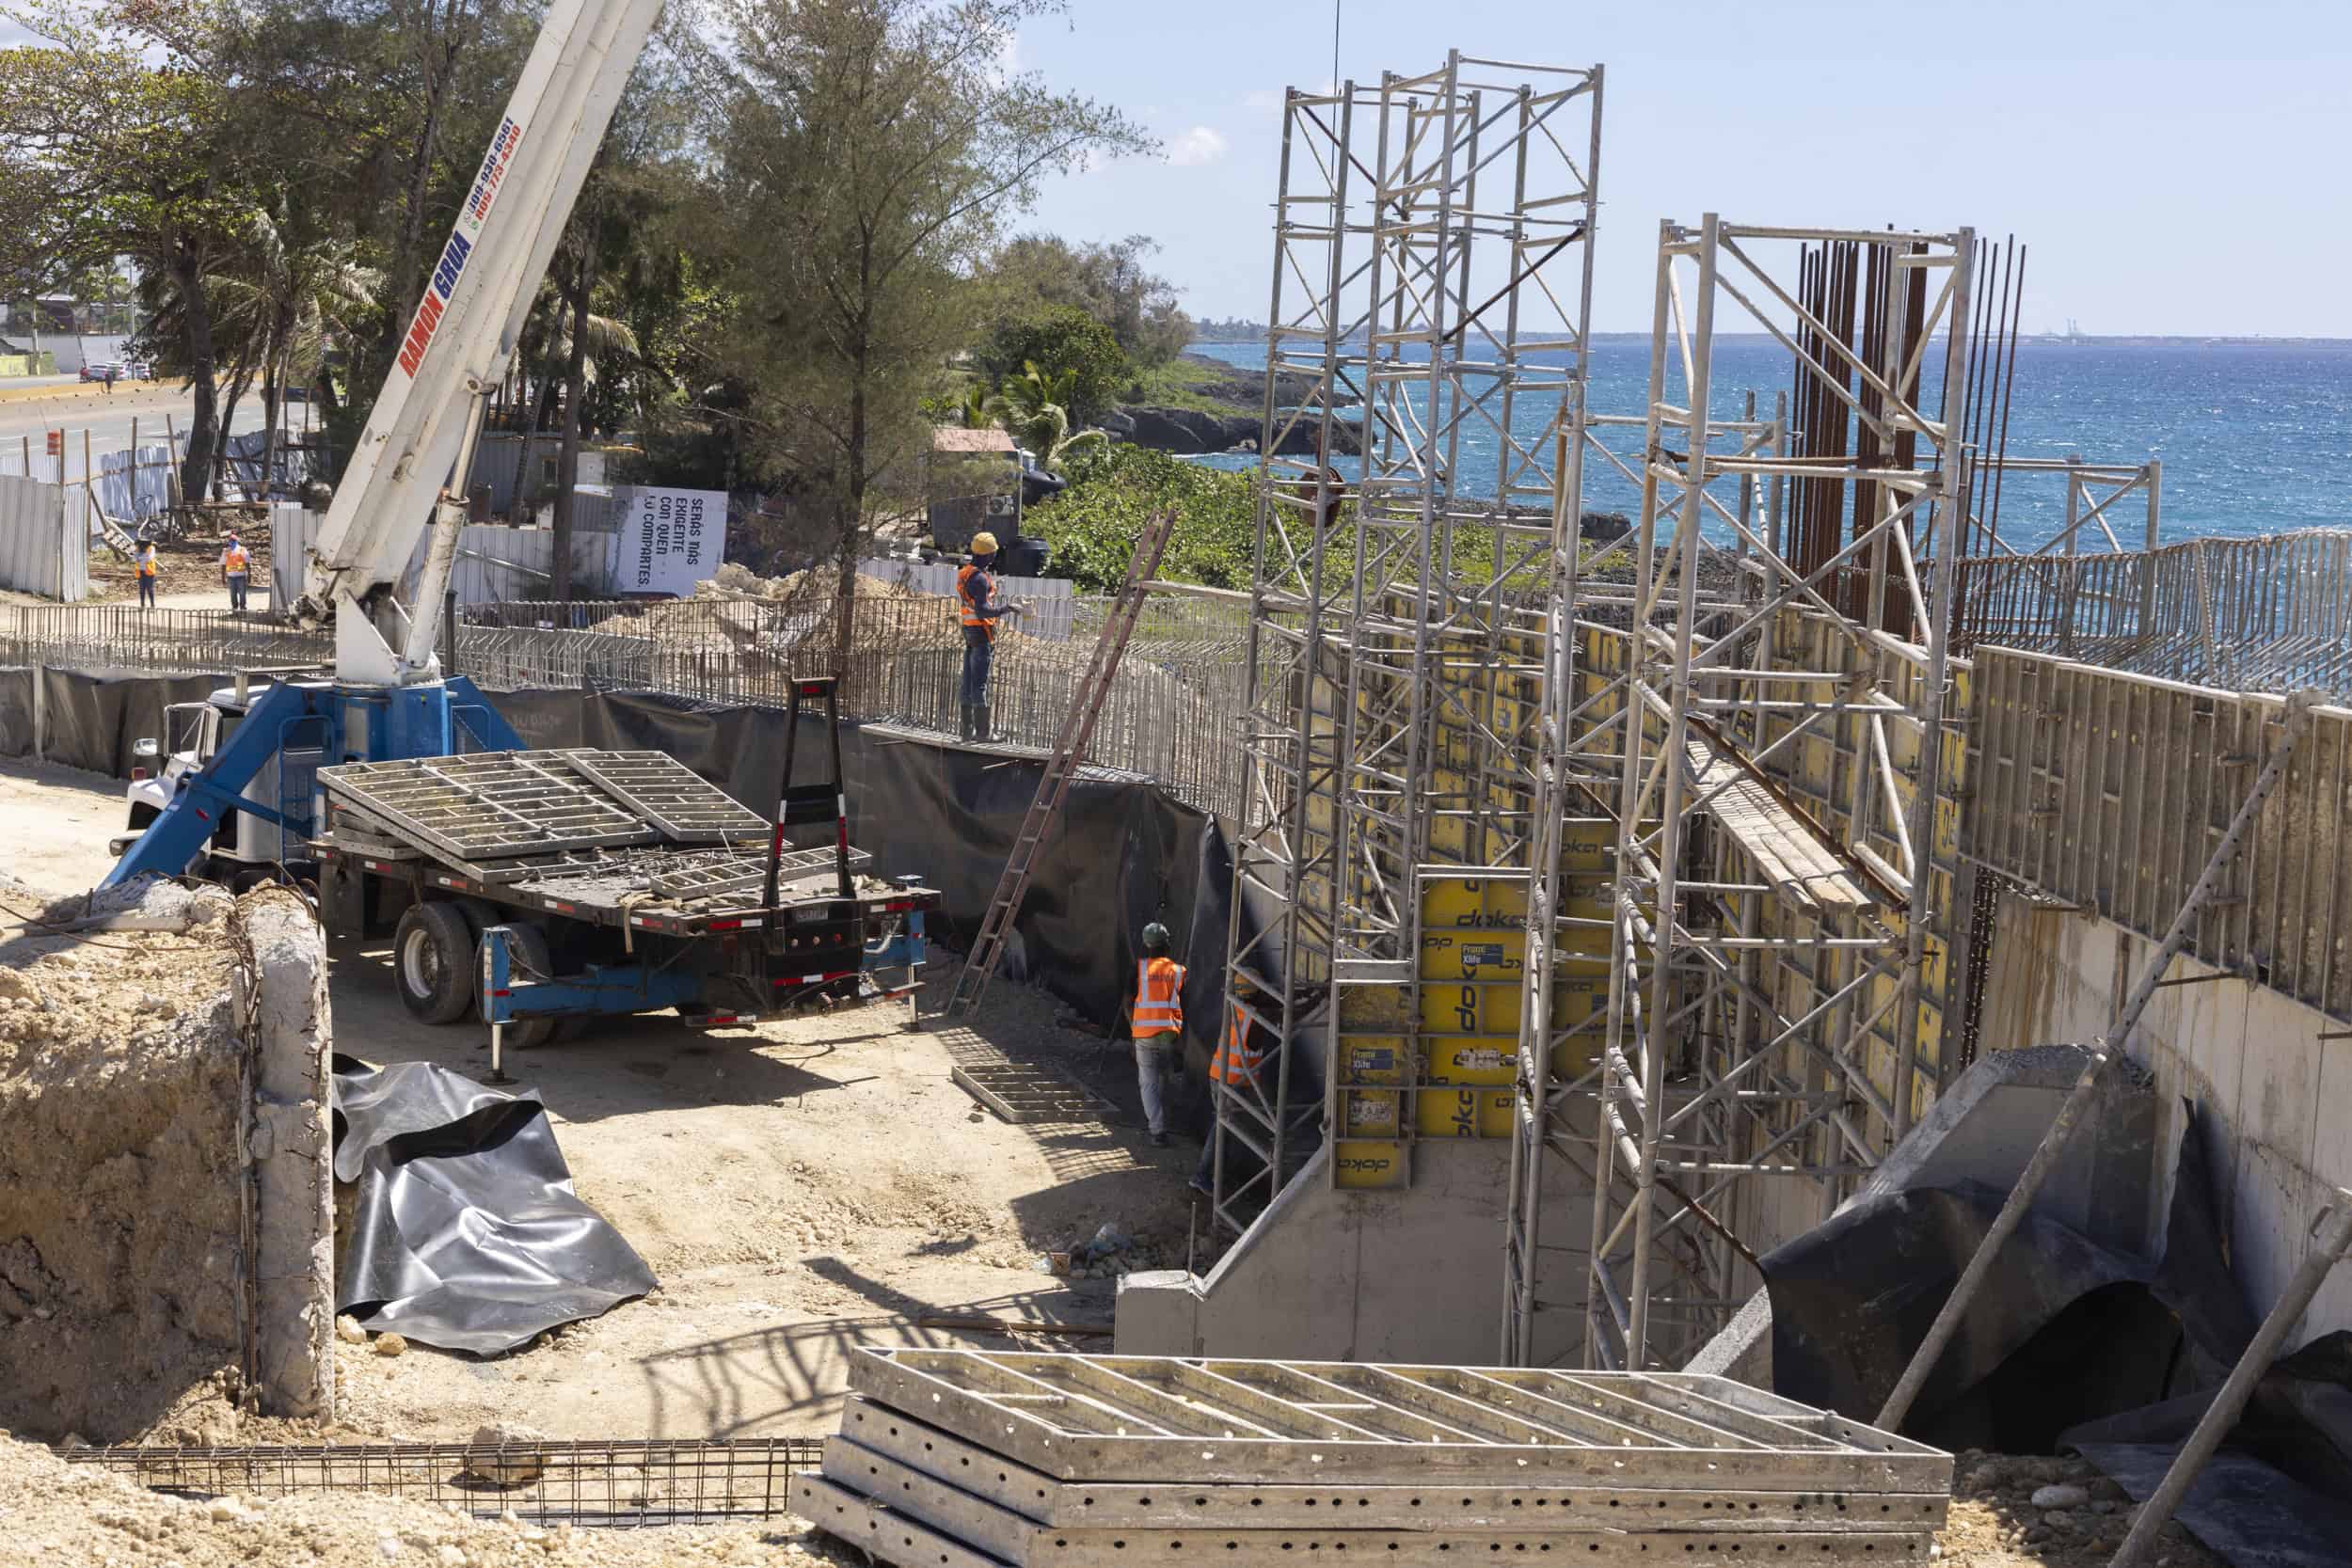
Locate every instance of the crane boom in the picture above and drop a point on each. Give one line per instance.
(462, 336)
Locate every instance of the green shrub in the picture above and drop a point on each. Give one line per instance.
(1094, 524)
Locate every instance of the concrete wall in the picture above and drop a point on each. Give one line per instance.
(1406, 1275)
(2278, 1094)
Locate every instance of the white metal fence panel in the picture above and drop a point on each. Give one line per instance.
(1049, 603)
(42, 546)
(494, 563)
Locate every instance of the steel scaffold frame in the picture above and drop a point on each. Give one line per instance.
(1357, 633)
(1738, 1039)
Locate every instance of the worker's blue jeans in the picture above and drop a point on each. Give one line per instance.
(978, 650)
(236, 590)
(147, 592)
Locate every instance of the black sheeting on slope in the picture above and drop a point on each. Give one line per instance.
(94, 719)
(468, 1234)
(2275, 1494)
(2062, 1331)
(2252, 1514)
(1123, 855)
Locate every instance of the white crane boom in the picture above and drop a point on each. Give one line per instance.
(459, 340)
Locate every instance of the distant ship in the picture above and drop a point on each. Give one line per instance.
(2075, 332)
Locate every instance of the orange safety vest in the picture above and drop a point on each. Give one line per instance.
(1159, 1007)
(147, 566)
(969, 604)
(1237, 1059)
(234, 561)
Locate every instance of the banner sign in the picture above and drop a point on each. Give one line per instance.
(670, 538)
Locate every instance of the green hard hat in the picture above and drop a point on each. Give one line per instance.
(1156, 938)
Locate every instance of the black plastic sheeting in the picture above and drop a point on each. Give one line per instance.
(94, 719)
(468, 1234)
(2063, 1329)
(1122, 856)
(2251, 1514)
(2275, 1494)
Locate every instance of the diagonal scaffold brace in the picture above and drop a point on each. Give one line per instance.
(2103, 1055)
(1069, 748)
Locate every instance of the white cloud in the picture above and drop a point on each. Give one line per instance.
(1263, 98)
(1199, 144)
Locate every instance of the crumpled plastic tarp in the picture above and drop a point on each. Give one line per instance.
(2063, 1329)
(468, 1233)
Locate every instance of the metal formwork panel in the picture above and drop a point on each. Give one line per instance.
(671, 795)
(881, 1452)
(489, 804)
(927, 1523)
(1185, 1420)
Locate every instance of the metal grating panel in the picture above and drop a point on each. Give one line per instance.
(880, 1449)
(489, 804)
(1181, 1419)
(672, 795)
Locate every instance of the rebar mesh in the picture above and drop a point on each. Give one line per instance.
(608, 1483)
(1171, 716)
(2266, 614)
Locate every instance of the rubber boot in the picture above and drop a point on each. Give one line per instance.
(969, 724)
(985, 736)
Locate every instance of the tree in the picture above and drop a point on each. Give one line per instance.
(1036, 410)
(1108, 282)
(1072, 348)
(866, 153)
(106, 154)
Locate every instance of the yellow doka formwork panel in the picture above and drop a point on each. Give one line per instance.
(1436, 1059)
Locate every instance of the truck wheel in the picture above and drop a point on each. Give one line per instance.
(433, 962)
(527, 957)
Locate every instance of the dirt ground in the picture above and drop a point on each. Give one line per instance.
(800, 1192)
(817, 1187)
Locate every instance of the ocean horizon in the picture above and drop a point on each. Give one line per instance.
(2254, 435)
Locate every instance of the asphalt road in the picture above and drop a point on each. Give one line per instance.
(109, 423)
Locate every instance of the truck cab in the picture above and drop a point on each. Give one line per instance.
(248, 846)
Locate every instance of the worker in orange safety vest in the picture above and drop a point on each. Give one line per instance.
(1239, 1064)
(236, 569)
(146, 568)
(1156, 1019)
(979, 609)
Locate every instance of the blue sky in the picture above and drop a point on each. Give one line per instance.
(2160, 158)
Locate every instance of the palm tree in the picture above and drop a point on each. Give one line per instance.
(982, 410)
(1037, 415)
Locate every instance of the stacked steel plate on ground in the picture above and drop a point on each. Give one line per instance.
(971, 1459)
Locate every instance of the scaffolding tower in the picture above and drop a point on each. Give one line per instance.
(1431, 282)
(1758, 705)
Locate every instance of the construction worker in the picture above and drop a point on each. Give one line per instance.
(236, 569)
(145, 562)
(1240, 1057)
(976, 598)
(1156, 1017)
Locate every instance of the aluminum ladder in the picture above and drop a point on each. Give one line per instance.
(1070, 746)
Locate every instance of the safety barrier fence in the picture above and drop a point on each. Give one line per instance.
(2265, 614)
(607, 1484)
(1173, 712)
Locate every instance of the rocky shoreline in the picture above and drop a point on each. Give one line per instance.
(1235, 427)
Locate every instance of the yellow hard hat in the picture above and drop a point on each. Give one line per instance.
(983, 542)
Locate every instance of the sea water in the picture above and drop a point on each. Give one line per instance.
(2254, 438)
